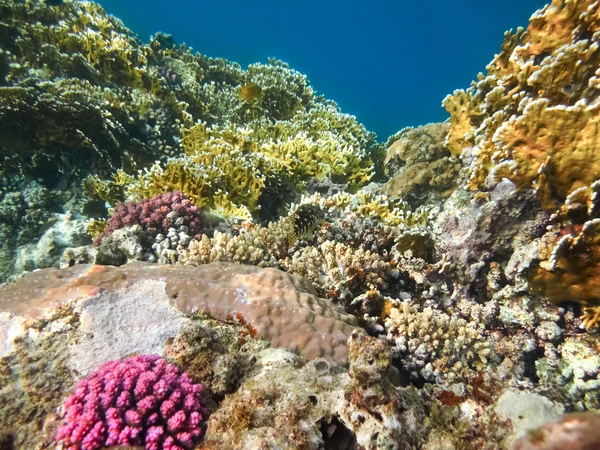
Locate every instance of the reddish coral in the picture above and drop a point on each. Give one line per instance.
(156, 215)
(449, 398)
(141, 400)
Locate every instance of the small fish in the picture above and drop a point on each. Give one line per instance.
(54, 2)
(307, 218)
(44, 226)
(250, 92)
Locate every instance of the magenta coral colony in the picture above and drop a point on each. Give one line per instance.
(137, 401)
(156, 215)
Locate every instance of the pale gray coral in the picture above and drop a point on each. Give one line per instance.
(574, 372)
(68, 231)
(433, 345)
(287, 404)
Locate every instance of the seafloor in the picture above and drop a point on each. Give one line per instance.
(228, 261)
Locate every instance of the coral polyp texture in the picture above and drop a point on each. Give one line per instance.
(141, 400)
(156, 216)
(433, 345)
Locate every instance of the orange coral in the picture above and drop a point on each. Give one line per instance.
(532, 118)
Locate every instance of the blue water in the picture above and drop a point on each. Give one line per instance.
(390, 63)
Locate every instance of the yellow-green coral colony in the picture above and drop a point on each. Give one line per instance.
(168, 106)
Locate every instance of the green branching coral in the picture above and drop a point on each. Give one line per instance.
(285, 91)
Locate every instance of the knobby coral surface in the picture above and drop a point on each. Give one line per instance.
(280, 307)
(156, 215)
(141, 400)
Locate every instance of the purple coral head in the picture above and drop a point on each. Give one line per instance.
(153, 215)
(137, 401)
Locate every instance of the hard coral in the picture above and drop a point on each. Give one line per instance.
(419, 164)
(141, 400)
(280, 307)
(532, 117)
(434, 345)
(243, 164)
(156, 215)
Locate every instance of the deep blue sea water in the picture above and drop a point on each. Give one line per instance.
(388, 62)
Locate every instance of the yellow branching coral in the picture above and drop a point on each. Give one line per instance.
(552, 27)
(460, 107)
(229, 163)
(533, 118)
(216, 166)
(86, 29)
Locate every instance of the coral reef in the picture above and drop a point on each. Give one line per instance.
(453, 306)
(66, 231)
(41, 359)
(84, 100)
(25, 211)
(566, 266)
(532, 117)
(34, 375)
(134, 401)
(243, 164)
(344, 244)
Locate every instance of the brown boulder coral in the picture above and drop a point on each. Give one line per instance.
(280, 307)
(419, 164)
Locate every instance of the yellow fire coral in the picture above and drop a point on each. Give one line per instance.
(553, 148)
(532, 118)
(228, 162)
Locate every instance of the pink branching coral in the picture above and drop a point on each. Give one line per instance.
(156, 215)
(137, 401)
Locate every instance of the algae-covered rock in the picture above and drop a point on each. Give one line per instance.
(419, 165)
